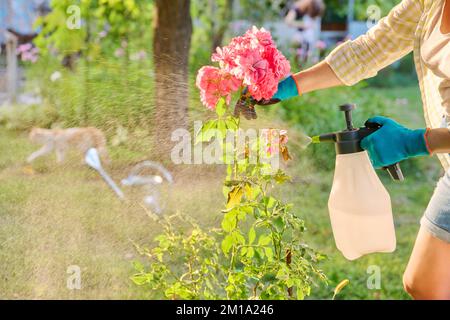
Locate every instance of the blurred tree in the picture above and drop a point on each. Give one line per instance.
(172, 41)
(220, 26)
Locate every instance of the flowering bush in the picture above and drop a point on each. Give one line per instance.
(258, 252)
(251, 60)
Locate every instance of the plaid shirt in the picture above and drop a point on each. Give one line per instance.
(396, 35)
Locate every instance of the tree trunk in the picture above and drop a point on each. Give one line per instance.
(172, 40)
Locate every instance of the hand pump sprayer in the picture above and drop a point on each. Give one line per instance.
(359, 205)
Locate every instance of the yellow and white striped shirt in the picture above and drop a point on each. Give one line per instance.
(402, 31)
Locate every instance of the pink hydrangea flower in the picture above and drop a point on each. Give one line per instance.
(225, 57)
(277, 62)
(266, 88)
(251, 60)
(261, 36)
(215, 83)
(252, 68)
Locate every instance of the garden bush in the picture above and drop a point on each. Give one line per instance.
(258, 252)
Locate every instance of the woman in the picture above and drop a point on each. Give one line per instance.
(422, 26)
(306, 15)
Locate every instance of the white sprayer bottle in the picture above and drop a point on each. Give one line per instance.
(359, 205)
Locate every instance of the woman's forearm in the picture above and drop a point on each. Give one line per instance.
(439, 140)
(318, 77)
(321, 76)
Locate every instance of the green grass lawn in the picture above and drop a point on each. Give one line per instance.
(60, 216)
(65, 215)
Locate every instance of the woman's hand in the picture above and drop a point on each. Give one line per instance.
(246, 105)
(393, 143)
(320, 76)
(288, 88)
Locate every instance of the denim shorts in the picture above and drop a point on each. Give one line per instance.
(437, 215)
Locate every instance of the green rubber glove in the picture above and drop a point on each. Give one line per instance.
(393, 143)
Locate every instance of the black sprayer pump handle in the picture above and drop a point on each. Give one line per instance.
(394, 169)
(347, 109)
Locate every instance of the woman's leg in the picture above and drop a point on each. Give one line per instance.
(427, 275)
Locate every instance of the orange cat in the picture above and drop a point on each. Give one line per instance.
(61, 140)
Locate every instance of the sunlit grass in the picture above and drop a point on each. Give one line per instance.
(58, 216)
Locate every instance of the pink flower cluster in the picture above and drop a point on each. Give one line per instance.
(251, 60)
(28, 53)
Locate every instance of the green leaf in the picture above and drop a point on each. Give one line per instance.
(221, 107)
(264, 240)
(232, 124)
(206, 132)
(139, 267)
(281, 177)
(251, 235)
(269, 253)
(141, 279)
(270, 202)
(238, 237)
(279, 224)
(229, 221)
(282, 273)
(227, 244)
(250, 252)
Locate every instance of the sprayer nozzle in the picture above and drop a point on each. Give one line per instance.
(315, 139)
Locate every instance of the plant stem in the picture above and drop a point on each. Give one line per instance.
(288, 263)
